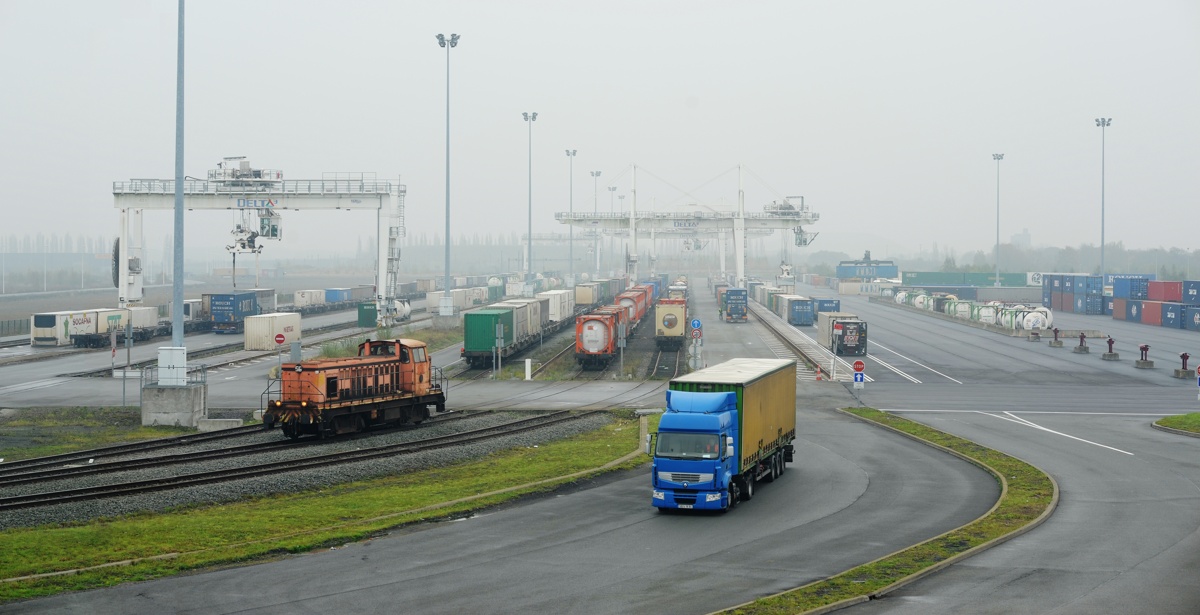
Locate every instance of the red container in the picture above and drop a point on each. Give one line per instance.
(1170, 292)
(1118, 309)
(1152, 313)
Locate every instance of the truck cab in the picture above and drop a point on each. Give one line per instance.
(695, 458)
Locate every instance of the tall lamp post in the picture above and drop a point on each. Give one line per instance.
(446, 307)
(612, 191)
(530, 118)
(624, 264)
(1102, 122)
(595, 188)
(997, 158)
(571, 209)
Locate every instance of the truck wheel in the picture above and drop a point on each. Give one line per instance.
(735, 494)
(770, 475)
(748, 492)
(782, 464)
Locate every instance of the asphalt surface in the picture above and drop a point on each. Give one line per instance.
(1123, 540)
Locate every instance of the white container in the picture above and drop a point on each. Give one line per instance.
(109, 319)
(561, 304)
(521, 327)
(54, 328)
(433, 300)
(262, 329)
(304, 298)
(266, 299)
(191, 310)
(537, 316)
(143, 317)
(514, 289)
(479, 295)
(461, 297)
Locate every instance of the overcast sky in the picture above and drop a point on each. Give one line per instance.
(884, 115)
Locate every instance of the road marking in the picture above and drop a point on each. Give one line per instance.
(917, 363)
(1028, 423)
(1169, 413)
(894, 369)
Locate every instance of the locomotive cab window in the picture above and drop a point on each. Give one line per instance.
(403, 355)
(331, 386)
(418, 355)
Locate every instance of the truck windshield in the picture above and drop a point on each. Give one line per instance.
(688, 446)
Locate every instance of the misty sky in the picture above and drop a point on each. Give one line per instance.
(884, 115)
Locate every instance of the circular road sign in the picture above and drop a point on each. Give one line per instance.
(695, 323)
(696, 334)
(279, 338)
(837, 326)
(859, 366)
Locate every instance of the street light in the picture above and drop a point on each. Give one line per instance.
(624, 265)
(530, 119)
(446, 307)
(571, 228)
(612, 191)
(595, 179)
(998, 158)
(1102, 122)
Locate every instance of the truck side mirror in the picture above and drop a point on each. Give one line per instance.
(648, 437)
(729, 446)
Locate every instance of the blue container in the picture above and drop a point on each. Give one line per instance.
(229, 310)
(1191, 292)
(334, 295)
(1068, 283)
(1191, 317)
(1093, 305)
(1139, 288)
(1047, 296)
(1081, 284)
(1092, 286)
(1078, 306)
(800, 312)
(1056, 283)
(1108, 306)
(1172, 316)
(1121, 288)
(1133, 310)
(827, 305)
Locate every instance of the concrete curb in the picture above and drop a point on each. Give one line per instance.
(1180, 432)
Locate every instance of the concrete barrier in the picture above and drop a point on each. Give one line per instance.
(217, 424)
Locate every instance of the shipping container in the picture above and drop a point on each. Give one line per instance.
(264, 330)
(479, 329)
(561, 304)
(229, 310)
(826, 305)
(1173, 316)
(266, 300)
(1171, 292)
(337, 295)
(1069, 284)
(55, 328)
(368, 314)
(1120, 308)
(303, 298)
(1191, 317)
(523, 327)
(143, 317)
(1047, 297)
(191, 310)
(1191, 292)
(800, 311)
(362, 292)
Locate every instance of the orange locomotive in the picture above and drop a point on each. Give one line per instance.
(389, 382)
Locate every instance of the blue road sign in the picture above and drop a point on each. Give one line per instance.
(695, 323)
(860, 377)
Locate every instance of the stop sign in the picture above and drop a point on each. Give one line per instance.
(859, 366)
(279, 339)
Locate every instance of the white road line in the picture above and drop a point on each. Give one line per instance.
(1028, 423)
(893, 368)
(931, 410)
(917, 363)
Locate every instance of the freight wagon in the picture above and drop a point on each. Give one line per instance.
(597, 336)
(842, 333)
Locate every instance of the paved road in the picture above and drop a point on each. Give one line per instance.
(854, 493)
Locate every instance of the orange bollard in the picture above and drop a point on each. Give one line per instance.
(818, 373)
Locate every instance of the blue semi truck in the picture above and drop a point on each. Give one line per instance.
(733, 303)
(725, 428)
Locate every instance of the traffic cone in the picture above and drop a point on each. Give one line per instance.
(818, 373)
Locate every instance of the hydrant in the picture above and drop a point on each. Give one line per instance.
(1081, 338)
(1145, 348)
(1056, 334)
(1185, 356)
(1110, 344)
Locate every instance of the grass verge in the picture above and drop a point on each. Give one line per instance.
(141, 547)
(1027, 497)
(1182, 422)
(39, 432)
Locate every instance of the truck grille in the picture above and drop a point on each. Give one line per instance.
(685, 499)
(685, 477)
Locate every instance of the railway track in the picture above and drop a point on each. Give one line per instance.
(51, 498)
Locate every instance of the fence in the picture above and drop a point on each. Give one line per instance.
(19, 326)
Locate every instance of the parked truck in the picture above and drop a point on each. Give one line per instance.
(734, 304)
(724, 429)
(842, 333)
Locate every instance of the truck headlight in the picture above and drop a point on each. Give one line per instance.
(712, 497)
(658, 495)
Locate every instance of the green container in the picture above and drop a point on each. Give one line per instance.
(368, 315)
(495, 293)
(479, 329)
